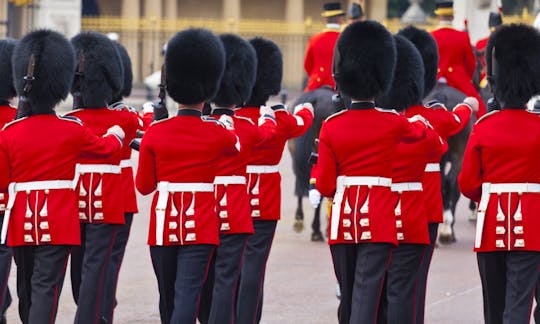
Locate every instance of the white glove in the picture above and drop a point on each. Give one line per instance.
(306, 105)
(314, 197)
(227, 121)
(268, 111)
(148, 107)
(117, 131)
(473, 102)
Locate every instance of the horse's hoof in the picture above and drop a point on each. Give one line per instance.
(298, 226)
(317, 237)
(445, 239)
(472, 216)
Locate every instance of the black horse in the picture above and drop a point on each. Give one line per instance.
(301, 148)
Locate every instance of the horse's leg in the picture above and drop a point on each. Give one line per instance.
(445, 230)
(316, 234)
(299, 217)
(472, 208)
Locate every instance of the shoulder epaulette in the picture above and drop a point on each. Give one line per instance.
(160, 121)
(384, 110)
(491, 113)
(335, 115)
(71, 119)
(434, 104)
(13, 122)
(73, 111)
(245, 118)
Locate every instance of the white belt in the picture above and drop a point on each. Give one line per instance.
(487, 190)
(341, 183)
(406, 186)
(164, 188)
(126, 163)
(15, 187)
(433, 167)
(262, 168)
(226, 180)
(97, 168)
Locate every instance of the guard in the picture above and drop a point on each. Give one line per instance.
(263, 178)
(231, 193)
(356, 148)
(500, 173)
(320, 49)
(37, 161)
(456, 57)
(179, 157)
(7, 114)
(100, 192)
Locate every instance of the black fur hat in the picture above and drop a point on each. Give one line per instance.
(427, 46)
(269, 71)
(7, 91)
(53, 71)
(240, 71)
(364, 60)
(516, 68)
(407, 88)
(103, 75)
(194, 65)
(128, 71)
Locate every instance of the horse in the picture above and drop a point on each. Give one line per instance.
(301, 148)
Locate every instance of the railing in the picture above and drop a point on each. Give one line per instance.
(145, 37)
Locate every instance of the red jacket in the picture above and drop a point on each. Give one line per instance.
(233, 200)
(457, 61)
(184, 149)
(409, 165)
(362, 143)
(265, 187)
(7, 114)
(446, 124)
(102, 195)
(318, 59)
(503, 148)
(47, 147)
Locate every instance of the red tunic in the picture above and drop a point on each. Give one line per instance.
(457, 62)
(445, 124)
(265, 188)
(481, 52)
(363, 143)
(318, 59)
(7, 114)
(233, 200)
(101, 195)
(47, 147)
(503, 148)
(184, 149)
(411, 211)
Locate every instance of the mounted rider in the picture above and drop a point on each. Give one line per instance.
(456, 57)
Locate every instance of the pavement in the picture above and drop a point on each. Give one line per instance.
(300, 283)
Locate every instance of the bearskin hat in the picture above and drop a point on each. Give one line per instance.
(194, 65)
(269, 71)
(103, 74)
(54, 68)
(128, 71)
(364, 60)
(7, 91)
(427, 46)
(240, 71)
(407, 87)
(513, 65)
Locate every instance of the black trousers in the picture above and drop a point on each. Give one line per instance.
(40, 276)
(180, 272)
(423, 274)
(508, 283)
(221, 285)
(89, 264)
(5, 267)
(113, 270)
(360, 270)
(250, 287)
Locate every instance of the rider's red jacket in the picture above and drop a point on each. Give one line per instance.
(362, 143)
(502, 154)
(446, 124)
(318, 59)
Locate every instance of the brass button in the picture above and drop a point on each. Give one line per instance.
(322, 69)
(450, 69)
